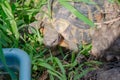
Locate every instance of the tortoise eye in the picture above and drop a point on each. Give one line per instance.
(60, 38)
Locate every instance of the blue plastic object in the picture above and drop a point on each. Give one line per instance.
(19, 61)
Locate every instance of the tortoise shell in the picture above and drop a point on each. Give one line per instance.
(73, 31)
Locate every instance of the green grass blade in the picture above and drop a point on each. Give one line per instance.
(76, 12)
(50, 68)
(51, 77)
(85, 1)
(27, 2)
(2, 58)
(45, 65)
(49, 8)
(4, 39)
(73, 57)
(7, 10)
(61, 51)
(84, 72)
(61, 68)
(86, 49)
(51, 72)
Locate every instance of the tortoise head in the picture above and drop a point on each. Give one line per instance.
(51, 37)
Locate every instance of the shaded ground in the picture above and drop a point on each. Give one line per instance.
(107, 71)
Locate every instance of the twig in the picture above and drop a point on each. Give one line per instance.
(107, 22)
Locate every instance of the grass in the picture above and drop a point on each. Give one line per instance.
(15, 17)
(76, 12)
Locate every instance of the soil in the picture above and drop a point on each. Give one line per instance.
(4, 76)
(107, 71)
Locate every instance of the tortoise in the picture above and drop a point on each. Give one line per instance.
(65, 29)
